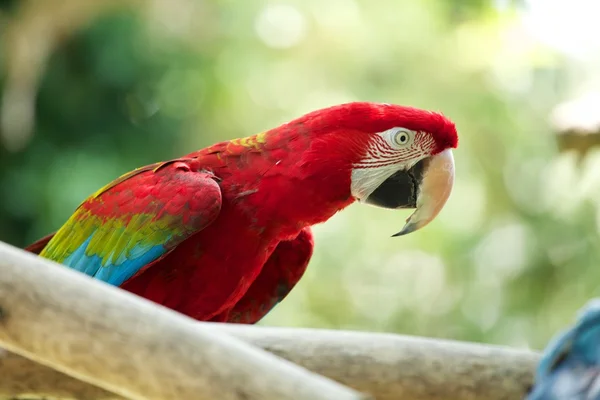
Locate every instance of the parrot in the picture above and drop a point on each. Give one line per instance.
(224, 233)
(569, 368)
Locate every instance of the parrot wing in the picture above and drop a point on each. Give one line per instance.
(135, 220)
(279, 275)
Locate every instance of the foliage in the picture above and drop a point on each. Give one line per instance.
(509, 260)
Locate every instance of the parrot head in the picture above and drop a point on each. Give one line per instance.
(398, 157)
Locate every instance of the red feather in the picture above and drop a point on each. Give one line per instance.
(277, 278)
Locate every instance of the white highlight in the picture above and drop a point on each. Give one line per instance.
(568, 26)
(280, 26)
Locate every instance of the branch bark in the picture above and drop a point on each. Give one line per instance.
(388, 366)
(127, 345)
(576, 124)
(395, 367)
(19, 377)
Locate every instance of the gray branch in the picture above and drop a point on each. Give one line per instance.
(387, 366)
(393, 367)
(127, 345)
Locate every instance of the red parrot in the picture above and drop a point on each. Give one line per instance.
(223, 233)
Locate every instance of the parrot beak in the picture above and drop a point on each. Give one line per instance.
(426, 186)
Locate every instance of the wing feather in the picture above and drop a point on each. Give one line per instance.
(279, 275)
(135, 220)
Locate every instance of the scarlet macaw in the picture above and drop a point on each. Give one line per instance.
(223, 233)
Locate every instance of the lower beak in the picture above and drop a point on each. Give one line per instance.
(426, 186)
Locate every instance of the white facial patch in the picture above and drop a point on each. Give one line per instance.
(366, 180)
(389, 151)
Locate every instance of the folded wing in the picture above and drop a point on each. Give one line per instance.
(134, 221)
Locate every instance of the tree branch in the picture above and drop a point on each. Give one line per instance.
(388, 366)
(23, 377)
(392, 367)
(130, 346)
(68, 332)
(576, 124)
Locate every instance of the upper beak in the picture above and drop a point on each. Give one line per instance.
(426, 186)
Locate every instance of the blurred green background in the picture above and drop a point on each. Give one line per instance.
(92, 89)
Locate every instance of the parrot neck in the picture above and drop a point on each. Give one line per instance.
(288, 204)
(305, 185)
(285, 179)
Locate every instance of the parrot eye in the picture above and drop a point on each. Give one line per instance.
(401, 137)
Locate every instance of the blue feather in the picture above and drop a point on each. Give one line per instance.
(570, 365)
(113, 273)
